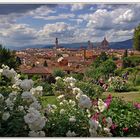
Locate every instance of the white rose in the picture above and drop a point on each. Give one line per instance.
(28, 96)
(107, 131)
(26, 84)
(31, 117)
(20, 108)
(34, 120)
(62, 111)
(54, 106)
(93, 132)
(72, 103)
(9, 73)
(38, 124)
(9, 103)
(85, 101)
(36, 105)
(1, 71)
(70, 134)
(1, 97)
(36, 134)
(101, 105)
(78, 96)
(60, 97)
(72, 119)
(12, 95)
(37, 91)
(76, 91)
(70, 80)
(93, 124)
(5, 116)
(109, 122)
(57, 78)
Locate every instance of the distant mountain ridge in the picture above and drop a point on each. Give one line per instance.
(127, 44)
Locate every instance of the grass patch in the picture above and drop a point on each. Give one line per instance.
(126, 96)
(48, 100)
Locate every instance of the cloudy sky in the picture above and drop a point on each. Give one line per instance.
(22, 25)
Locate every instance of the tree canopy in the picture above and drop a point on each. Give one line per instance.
(136, 43)
(9, 58)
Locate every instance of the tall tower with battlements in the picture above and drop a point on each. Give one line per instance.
(56, 43)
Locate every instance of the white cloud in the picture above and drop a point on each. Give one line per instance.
(59, 29)
(114, 22)
(41, 12)
(76, 7)
(56, 17)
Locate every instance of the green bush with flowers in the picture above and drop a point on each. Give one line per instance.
(74, 115)
(118, 84)
(125, 116)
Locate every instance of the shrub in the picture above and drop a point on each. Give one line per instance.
(137, 80)
(58, 72)
(78, 76)
(117, 84)
(47, 89)
(91, 90)
(124, 115)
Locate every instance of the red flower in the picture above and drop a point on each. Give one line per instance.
(104, 120)
(125, 129)
(95, 102)
(113, 126)
(108, 100)
(137, 105)
(95, 116)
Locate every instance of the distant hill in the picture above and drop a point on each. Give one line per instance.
(127, 44)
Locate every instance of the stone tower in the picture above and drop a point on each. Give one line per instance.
(56, 43)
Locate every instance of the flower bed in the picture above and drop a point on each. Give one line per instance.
(74, 115)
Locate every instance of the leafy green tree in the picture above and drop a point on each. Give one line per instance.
(126, 62)
(9, 58)
(108, 67)
(103, 56)
(136, 39)
(125, 53)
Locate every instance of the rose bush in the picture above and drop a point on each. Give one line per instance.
(20, 110)
(74, 115)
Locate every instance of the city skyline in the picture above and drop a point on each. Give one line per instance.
(40, 24)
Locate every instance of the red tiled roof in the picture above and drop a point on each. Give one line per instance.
(37, 70)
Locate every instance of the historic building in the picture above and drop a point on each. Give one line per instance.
(104, 44)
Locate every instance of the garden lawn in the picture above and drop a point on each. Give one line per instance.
(48, 100)
(126, 96)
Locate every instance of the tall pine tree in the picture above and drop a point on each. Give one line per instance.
(136, 43)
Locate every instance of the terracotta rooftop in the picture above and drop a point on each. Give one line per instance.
(37, 70)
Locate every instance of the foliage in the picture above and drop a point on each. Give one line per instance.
(101, 69)
(118, 84)
(77, 76)
(20, 108)
(137, 80)
(92, 90)
(136, 39)
(47, 88)
(8, 57)
(125, 54)
(58, 72)
(74, 113)
(108, 67)
(58, 123)
(103, 56)
(124, 116)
